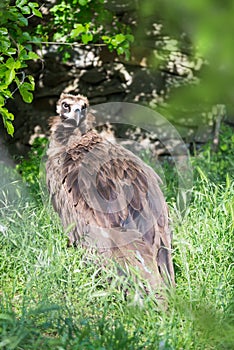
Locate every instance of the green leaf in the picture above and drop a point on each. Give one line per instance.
(31, 81)
(117, 39)
(120, 38)
(10, 116)
(25, 89)
(224, 147)
(25, 10)
(10, 63)
(120, 50)
(20, 3)
(22, 21)
(7, 120)
(6, 91)
(10, 127)
(35, 40)
(130, 38)
(17, 64)
(106, 39)
(79, 28)
(127, 55)
(33, 5)
(26, 95)
(32, 56)
(37, 13)
(86, 37)
(11, 51)
(2, 101)
(83, 2)
(17, 81)
(66, 56)
(57, 36)
(4, 45)
(9, 76)
(3, 31)
(25, 37)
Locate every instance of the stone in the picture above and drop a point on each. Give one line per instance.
(94, 75)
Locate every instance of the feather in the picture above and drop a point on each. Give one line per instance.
(110, 198)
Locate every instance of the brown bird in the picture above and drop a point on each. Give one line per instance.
(106, 196)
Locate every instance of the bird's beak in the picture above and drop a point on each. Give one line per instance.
(77, 115)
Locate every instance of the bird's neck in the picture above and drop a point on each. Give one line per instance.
(62, 131)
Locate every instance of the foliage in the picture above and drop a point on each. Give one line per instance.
(15, 51)
(87, 22)
(219, 164)
(54, 297)
(29, 168)
(77, 21)
(200, 44)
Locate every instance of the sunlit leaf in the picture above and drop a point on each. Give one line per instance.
(79, 28)
(86, 37)
(25, 89)
(9, 127)
(32, 55)
(9, 76)
(83, 2)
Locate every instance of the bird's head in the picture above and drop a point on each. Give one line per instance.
(72, 107)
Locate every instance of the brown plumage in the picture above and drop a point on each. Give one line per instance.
(107, 197)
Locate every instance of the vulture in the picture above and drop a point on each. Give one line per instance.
(108, 199)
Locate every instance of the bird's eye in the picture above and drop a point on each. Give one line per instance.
(65, 105)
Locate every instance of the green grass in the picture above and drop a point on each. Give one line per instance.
(54, 297)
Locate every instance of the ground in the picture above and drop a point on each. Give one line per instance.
(54, 297)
